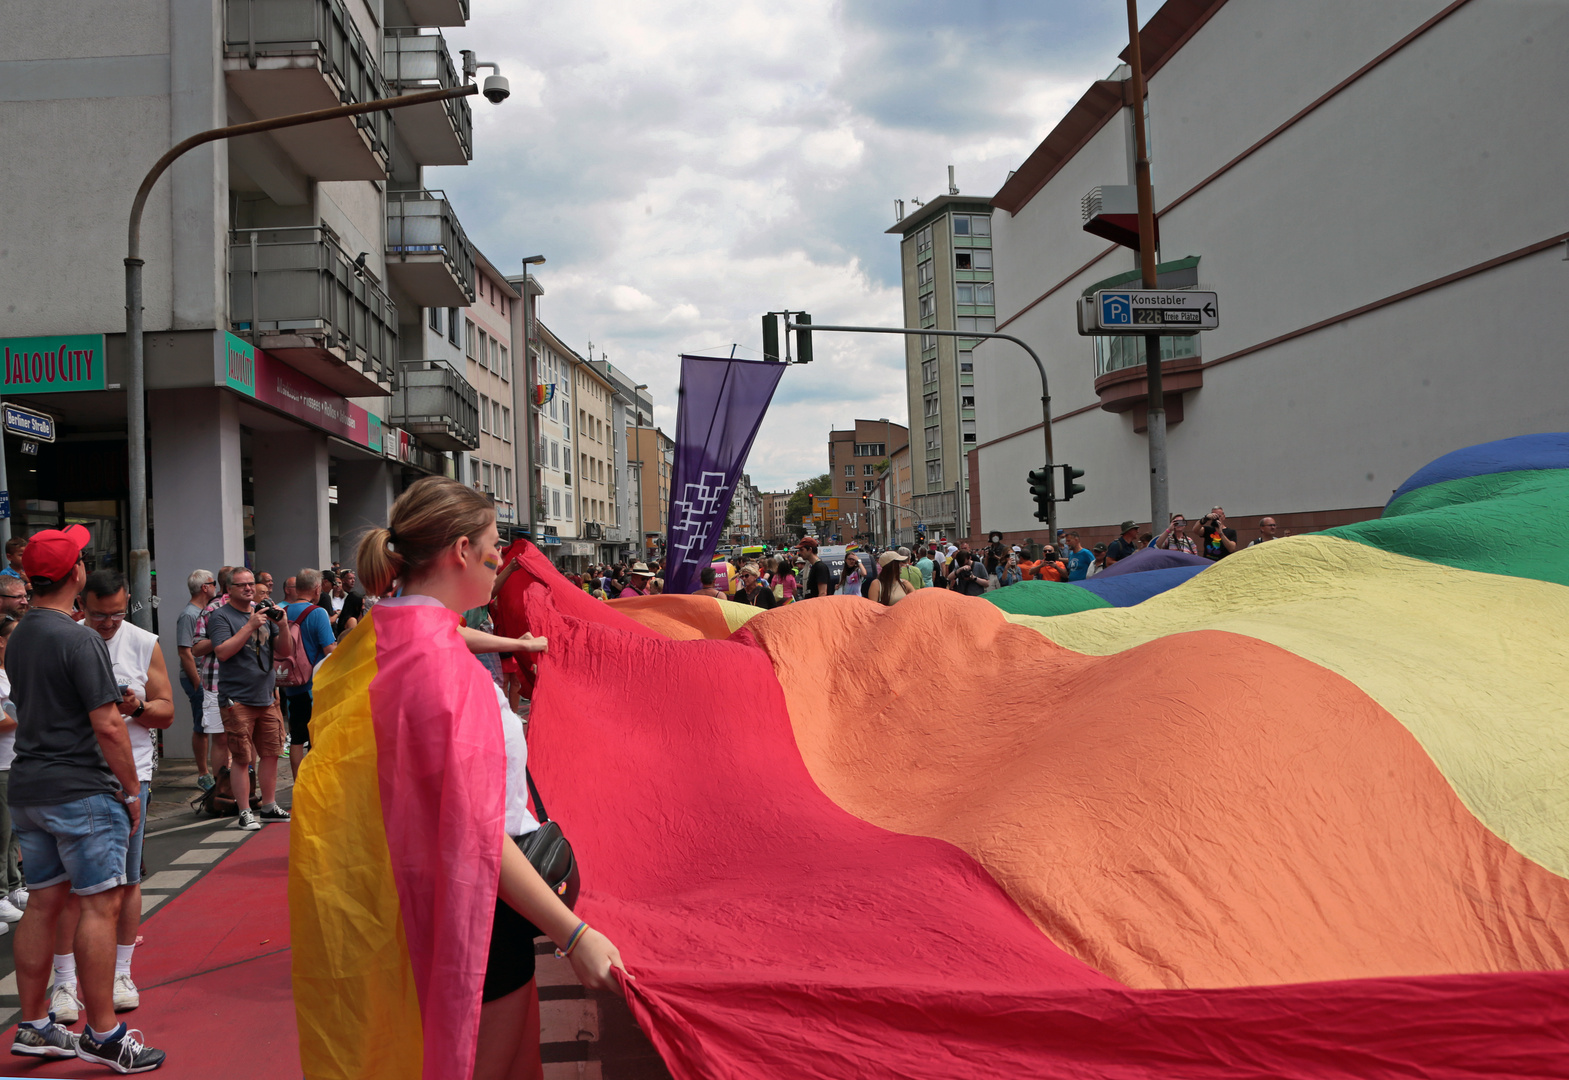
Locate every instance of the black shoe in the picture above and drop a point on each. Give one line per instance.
(273, 813)
(122, 1051)
(53, 1041)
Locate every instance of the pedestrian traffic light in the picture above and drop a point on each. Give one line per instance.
(803, 339)
(771, 336)
(1069, 475)
(1041, 489)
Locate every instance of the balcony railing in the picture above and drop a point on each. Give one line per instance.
(428, 253)
(442, 132)
(436, 403)
(313, 307)
(284, 56)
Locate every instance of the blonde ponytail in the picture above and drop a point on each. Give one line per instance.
(432, 514)
(377, 564)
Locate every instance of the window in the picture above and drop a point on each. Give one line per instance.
(868, 485)
(981, 258)
(509, 484)
(923, 272)
(849, 487)
(972, 225)
(484, 346)
(452, 326)
(967, 402)
(568, 505)
(923, 239)
(1114, 353)
(869, 470)
(927, 306)
(928, 342)
(555, 504)
(435, 319)
(506, 423)
(495, 351)
(486, 483)
(962, 261)
(506, 365)
(985, 325)
(870, 449)
(968, 428)
(555, 455)
(495, 418)
(928, 371)
(931, 404)
(934, 438)
(849, 470)
(468, 337)
(473, 470)
(484, 413)
(585, 510)
(934, 473)
(966, 361)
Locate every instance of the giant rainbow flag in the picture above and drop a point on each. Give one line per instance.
(1300, 814)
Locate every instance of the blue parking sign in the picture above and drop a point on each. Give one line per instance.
(1116, 309)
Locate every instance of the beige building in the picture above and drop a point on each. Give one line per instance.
(652, 457)
(490, 324)
(596, 459)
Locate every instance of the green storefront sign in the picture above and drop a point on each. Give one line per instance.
(52, 365)
(239, 371)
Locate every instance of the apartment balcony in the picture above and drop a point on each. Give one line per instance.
(428, 254)
(436, 403)
(291, 56)
(314, 308)
(439, 133)
(1121, 380)
(437, 12)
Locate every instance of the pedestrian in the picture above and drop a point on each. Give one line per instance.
(638, 579)
(352, 607)
(1216, 541)
(819, 578)
(1051, 567)
(850, 575)
(317, 638)
(13, 558)
(909, 571)
(203, 588)
(705, 581)
(1076, 558)
(923, 563)
(146, 704)
(1009, 573)
(246, 639)
(785, 583)
(889, 587)
(445, 556)
(13, 596)
(753, 590)
(74, 779)
(1267, 530)
(263, 587)
(966, 578)
(291, 590)
(1125, 544)
(1175, 538)
(13, 890)
(1100, 562)
(207, 679)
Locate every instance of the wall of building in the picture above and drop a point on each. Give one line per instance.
(1461, 128)
(488, 363)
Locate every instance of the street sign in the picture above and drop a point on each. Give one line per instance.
(5, 505)
(34, 425)
(29, 446)
(1165, 311)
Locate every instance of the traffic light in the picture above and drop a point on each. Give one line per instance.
(1069, 475)
(1041, 489)
(771, 337)
(803, 339)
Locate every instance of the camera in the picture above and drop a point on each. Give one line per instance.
(496, 89)
(270, 609)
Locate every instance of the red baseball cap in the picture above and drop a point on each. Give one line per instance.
(52, 553)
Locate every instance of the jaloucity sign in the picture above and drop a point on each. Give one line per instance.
(52, 365)
(274, 383)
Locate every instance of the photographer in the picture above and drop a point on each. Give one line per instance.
(1215, 540)
(245, 637)
(1176, 537)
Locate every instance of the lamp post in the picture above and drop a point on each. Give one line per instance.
(530, 380)
(136, 376)
(637, 411)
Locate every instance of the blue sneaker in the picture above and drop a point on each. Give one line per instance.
(53, 1041)
(122, 1051)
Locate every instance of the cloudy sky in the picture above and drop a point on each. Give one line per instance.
(687, 166)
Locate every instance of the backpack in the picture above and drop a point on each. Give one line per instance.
(295, 669)
(218, 800)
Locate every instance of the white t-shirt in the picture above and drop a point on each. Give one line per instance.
(8, 740)
(519, 821)
(131, 653)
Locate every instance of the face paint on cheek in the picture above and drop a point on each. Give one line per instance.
(491, 562)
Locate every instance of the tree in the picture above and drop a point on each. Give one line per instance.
(800, 503)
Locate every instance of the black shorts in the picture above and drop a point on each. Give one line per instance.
(297, 707)
(511, 962)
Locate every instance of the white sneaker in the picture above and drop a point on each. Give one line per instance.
(126, 996)
(18, 897)
(9, 912)
(64, 1004)
(246, 820)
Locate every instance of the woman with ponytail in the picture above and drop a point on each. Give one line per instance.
(412, 908)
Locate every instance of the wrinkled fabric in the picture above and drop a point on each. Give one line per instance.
(397, 833)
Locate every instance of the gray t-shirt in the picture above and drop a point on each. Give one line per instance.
(246, 677)
(60, 672)
(185, 629)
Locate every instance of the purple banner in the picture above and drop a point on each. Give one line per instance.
(721, 407)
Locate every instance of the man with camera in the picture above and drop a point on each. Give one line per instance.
(1216, 541)
(246, 637)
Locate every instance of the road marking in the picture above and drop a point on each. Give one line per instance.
(170, 879)
(7, 1016)
(152, 900)
(8, 985)
(199, 857)
(225, 836)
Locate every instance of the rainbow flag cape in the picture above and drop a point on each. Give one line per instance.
(1299, 814)
(396, 850)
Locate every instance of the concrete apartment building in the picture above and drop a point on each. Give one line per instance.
(652, 457)
(286, 283)
(945, 261)
(1375, 192)
(631, 407)
(594, 398)
(554, 427)
(492, 328)
(855, 457)
(776, 504)
(893, 516)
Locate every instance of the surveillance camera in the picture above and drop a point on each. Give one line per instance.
(496, 89)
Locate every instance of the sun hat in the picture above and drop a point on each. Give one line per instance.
(641, 569)
(1126, 525)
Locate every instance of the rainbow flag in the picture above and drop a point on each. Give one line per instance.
(543, 394)
(1301, 814)
(396, 850)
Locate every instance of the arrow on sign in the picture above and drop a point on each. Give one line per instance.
(1209, 309)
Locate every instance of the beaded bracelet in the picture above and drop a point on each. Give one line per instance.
(577, 936)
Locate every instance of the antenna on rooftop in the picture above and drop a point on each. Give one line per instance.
(953, 189)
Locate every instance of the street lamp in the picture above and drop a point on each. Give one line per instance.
(637, 410)
(530, 428)
(495, 90)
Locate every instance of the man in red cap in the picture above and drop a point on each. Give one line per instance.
(74, 803)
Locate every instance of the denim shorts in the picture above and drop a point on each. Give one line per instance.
(133, 848)
(83, 842)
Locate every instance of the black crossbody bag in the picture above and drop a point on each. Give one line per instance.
(547, 849)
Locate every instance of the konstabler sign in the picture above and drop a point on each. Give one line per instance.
(1163, 311)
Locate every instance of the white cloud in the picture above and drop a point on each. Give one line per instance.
(687, 167)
